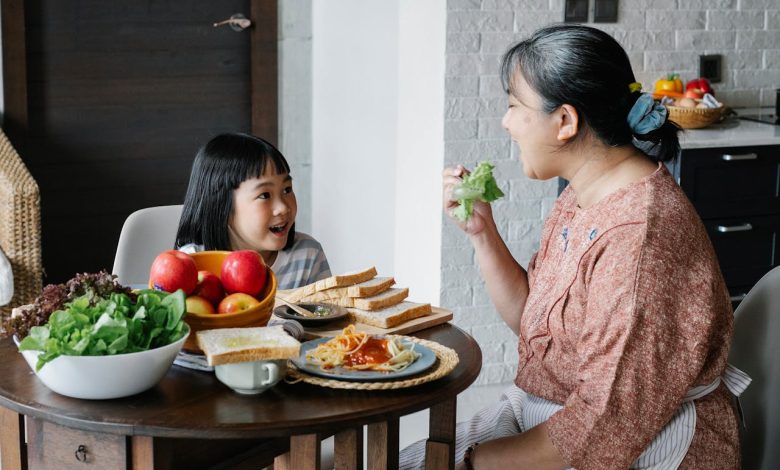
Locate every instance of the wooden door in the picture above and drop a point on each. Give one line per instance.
(108, 103)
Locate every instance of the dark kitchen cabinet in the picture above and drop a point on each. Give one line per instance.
(736, 191)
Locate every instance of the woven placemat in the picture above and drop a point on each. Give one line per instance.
(446, 360)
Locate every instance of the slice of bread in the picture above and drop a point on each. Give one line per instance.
(368, 288)
(341, 280)
(385, 299)
(230, 345)
(390, 316)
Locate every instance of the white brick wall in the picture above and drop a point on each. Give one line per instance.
(660, 36)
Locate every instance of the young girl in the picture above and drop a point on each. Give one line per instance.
(622, 317)
(240, 197)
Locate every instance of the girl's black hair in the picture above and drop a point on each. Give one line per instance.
(589, 70)
(219, 168)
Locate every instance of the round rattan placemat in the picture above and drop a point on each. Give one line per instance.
(446, 360)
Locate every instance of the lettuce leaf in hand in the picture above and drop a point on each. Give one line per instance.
(113, 325)
(477, 185)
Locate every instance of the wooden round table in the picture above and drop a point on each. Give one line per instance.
(192, 420)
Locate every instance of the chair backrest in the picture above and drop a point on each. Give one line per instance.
(145, 234)
(20, 227)
(756, 350)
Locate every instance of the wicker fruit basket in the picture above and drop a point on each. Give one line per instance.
(695, 118)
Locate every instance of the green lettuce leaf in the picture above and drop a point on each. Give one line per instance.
(477, 185)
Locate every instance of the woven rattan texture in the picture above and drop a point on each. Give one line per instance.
(694, 118)
(20, 226)
(446, 361)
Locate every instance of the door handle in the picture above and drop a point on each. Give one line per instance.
(745, 156)
(237, 22)
(734, 228)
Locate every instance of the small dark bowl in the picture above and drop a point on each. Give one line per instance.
(336, 312)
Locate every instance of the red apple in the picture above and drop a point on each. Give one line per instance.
(700, 83)
(695, 93)
(197, 304)
(236, 303)
(243, 271)
(173, 270)
(209, 287)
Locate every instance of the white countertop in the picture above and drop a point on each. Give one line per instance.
(733, 132)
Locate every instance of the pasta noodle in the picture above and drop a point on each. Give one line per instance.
(360, 351)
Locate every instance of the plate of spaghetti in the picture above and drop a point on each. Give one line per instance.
(358, 356)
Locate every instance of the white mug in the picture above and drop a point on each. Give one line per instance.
(251, 378)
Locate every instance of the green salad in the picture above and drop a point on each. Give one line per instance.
(477, 185)
(87, 326)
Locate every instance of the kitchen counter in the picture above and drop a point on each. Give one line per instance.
(733, 132)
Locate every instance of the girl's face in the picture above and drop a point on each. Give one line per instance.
(264, 209)
(534, 131)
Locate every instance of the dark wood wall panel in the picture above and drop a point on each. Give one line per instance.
(120, 96)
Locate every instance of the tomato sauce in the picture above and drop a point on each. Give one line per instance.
(374, 351)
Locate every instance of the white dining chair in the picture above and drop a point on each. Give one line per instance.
(756, 350)
(145, 234)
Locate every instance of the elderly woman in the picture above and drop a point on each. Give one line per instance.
(623, 319)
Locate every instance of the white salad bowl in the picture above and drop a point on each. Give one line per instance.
(105, 377)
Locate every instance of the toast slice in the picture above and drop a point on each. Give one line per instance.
(385, 299)
(368, 288)
(341, 280)
(230, 345)
(390, 316)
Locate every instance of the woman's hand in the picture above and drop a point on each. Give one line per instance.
(482, 215)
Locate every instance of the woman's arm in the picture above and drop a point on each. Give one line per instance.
(531, 449)
(505, 279)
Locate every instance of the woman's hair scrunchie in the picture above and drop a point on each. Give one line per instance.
(646, 115)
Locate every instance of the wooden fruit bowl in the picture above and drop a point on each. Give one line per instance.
(256, 316)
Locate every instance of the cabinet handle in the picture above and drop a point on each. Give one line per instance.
(734, 228)
(81, 453)
(738, 297)
(745, 156)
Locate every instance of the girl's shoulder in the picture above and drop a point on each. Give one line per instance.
(304, 240)
(190, 248)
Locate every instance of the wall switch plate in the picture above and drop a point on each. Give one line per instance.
(710, 67)
(575, 11)
(605, 11)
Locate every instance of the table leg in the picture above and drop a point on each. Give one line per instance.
(148, 453)
(282, 462)
(142, 452)
(304, 454)
(13, 451)
(383, 445)
(348, 449)
(440, 448)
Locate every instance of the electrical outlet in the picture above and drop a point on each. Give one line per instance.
(575, 11)
(605, 11)
(710, 67)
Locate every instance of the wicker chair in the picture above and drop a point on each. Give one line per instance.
(20, 226)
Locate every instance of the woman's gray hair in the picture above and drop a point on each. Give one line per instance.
(589, 70)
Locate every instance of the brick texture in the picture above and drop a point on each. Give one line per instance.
(660, 36)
